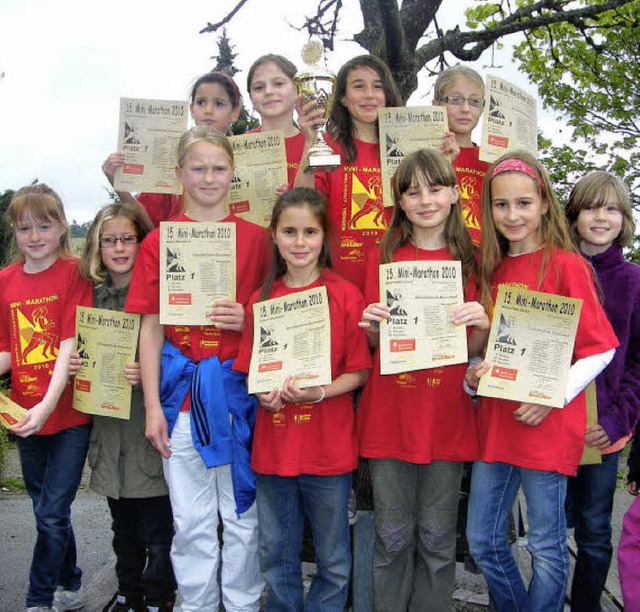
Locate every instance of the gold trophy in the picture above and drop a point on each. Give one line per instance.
(318, 84)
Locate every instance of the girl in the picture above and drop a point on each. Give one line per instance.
(415, 445)
(199, 472)
(357, 216)
(461, 90)
(304, 454)
(273, 95)
(599, 214)
(215, 101)
(38, 296)
(124, 466)
(525, 242)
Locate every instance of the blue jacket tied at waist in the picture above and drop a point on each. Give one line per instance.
(217, 391)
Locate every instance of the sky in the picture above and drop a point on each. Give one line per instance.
(67, 63)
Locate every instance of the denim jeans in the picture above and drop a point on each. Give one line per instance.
(415, 513)
(52, 468)
(494, 487)
(589, 506)
(282, 504)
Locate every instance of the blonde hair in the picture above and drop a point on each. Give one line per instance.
(91, 265)
(431, 168)
(598, 189)
(200, 133)
(449, 75)
(554, 232)
(43, 205)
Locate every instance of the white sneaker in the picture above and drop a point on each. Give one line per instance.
(64, 600)
(41, 609)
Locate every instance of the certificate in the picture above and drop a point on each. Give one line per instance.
(291, 337)
(106, 341)
(148, 135)
(403, 131)
(10, 412)
(261, 165)
(419, 333)
(509, 121)
(530, 346)
(197, 266)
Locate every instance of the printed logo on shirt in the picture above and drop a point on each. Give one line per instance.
(38, 337)
(366, 207)
(470, 201)
(406, 380)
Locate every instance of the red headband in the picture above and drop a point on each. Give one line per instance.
(513, 164)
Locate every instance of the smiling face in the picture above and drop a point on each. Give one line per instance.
(299, 238)
(364, 96)
(598, 227)
(517, 210)
(212, 106)
(38, 241)
(273, 93)
(119, 258)
(428, 207)
(463, 118)
(205, 172)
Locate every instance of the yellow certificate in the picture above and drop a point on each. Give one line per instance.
(291, 337)
(106, 341)
(10, 412)
(148, 135)
(261, 165)
(419, 333)
(403, 131)
(530, 346)
(197, 266)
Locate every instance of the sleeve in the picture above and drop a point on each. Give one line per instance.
(144, 290)
(79, 292)
(595, 334)
(243, 359)
(357, 354)
(620, 421)
(5, 330)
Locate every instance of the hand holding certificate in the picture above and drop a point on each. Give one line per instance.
(291, 338)
(530, 347)
(10, 412)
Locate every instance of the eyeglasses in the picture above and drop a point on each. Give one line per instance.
(108, 242)
(458, 100)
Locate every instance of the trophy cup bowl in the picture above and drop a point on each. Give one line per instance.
(319, 87)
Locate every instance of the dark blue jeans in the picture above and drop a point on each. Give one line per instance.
(52, 469)
(282, 504)
(589, 506)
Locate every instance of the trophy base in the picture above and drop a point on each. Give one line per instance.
(323, 163)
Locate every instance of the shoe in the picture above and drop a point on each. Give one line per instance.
(166, 606)
(120, 603)
(64, 600)
(41, 609)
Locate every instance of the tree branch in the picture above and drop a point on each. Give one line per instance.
(213, 27)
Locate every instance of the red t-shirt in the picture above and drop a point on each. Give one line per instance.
(201, 341)
(357, 216)
(161, 206)
(470, 173)
(420, 416)
(37, 312)
(556, 444)
(319, 438)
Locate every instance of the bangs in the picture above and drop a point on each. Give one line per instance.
(425, 166)
(41, 207)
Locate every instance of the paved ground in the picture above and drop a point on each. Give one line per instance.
(93, 533)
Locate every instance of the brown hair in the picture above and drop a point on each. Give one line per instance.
(429, 167)
(340, 123)
(44, 205)
(595, 190)
(281, 62)
(91, 264)
(298, 197)
(553, 229)
(222, 79)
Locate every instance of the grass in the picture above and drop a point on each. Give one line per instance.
(13, 484)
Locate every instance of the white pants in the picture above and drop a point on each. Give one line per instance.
(197, 495)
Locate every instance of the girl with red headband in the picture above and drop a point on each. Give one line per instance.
(526, 242)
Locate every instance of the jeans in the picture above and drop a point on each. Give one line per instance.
(494, 487)
(142, 534)
(52, 468)
(415, 512)
(282, 504)
(589, 506)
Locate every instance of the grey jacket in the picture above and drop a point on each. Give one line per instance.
(123, 463)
